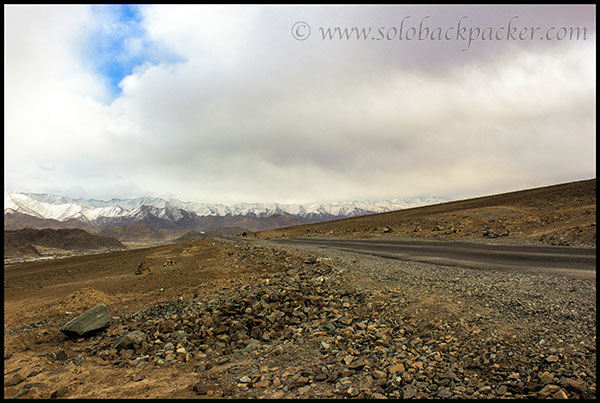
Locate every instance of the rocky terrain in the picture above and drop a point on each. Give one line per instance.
(236, 319)
(563, 215)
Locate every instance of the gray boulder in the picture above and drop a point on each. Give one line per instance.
(94, 319)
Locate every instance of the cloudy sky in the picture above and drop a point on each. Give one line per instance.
(226, 104)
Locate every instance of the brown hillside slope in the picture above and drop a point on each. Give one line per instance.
(562, 214)
(18, 248)
(22, 242)
(138, 232)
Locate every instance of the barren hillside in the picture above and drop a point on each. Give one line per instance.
(138, 232)
(562, 214)
(27, 241)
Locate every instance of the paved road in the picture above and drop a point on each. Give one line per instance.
(576, 261)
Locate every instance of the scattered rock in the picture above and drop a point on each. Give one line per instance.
(142, 269)
(379, 374)
(574, 385)
(277, 395)
(546, 378)
(409, 392)
(245, 379)
(397, 368)
(303, 389)
(547, 391)
(130, 340)
(20, 393)
(444, 394)
(13, 380)
(205, 389)
(560, 394)
(166, 327)
(58, 393)
(262, 384)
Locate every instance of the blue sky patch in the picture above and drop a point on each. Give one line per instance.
(118, 43)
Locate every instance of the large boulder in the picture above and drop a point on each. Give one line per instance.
(94, 319)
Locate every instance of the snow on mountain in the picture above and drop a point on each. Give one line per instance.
(93, 214)
(63, 208)
(9, 204)
(26, 205)
(125, 204)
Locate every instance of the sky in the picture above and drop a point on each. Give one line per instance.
(231, 104)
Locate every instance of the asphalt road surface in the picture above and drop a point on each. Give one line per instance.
(578, 262)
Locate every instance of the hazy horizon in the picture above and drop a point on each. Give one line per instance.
(309, 202)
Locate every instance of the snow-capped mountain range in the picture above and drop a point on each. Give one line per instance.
(129, 211)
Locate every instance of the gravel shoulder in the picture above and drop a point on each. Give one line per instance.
(512, 320)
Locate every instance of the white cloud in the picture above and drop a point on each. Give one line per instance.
(251, 115)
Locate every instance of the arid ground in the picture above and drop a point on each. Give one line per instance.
(251, 318)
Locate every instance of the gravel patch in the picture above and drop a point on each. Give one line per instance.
(504, 327)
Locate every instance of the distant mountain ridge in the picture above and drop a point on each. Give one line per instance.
(177, 214)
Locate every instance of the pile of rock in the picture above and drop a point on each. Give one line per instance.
(321, 336)
(490, 233)
(142, 269)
